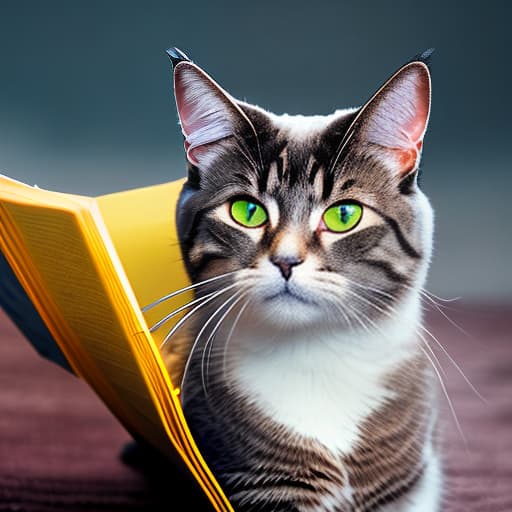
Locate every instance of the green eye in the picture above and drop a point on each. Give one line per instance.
(342, 217)
(248, 213)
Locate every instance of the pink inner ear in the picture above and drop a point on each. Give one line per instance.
(417, 125)
(190, 155)
(406, 159)
(415, 130)
(400, 114)
(204, 111)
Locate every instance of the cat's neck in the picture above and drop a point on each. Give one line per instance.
(324, 383)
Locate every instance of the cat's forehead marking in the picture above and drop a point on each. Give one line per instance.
(283, 173)
(312, 169)
(293, 155)
(315, 217)
(272, 178)
(315, 174)
(273, 210)
(299, 127)
(347, 184)
(283, 157)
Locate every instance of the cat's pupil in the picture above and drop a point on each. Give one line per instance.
(251, 210)
(346, 211)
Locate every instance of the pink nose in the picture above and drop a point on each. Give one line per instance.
(285, 264)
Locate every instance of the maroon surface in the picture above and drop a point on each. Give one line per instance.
(59, 446)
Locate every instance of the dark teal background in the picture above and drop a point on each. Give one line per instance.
(86, 103)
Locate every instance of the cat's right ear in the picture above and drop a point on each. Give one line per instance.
(393, 122)
(209, 116)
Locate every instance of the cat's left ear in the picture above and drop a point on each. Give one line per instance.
(395, 119)
(210, 117)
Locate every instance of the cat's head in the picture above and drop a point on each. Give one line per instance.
(321, 217)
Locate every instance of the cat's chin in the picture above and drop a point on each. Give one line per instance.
(288, 311)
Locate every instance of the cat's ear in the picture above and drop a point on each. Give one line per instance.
(209, 116)
(395, 119)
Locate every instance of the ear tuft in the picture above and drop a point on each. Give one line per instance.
(176, 56)
(425, 57)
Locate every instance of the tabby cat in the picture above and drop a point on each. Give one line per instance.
(304, 379)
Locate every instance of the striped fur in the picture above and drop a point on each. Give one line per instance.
(311, 392)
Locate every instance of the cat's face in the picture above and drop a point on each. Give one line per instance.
(320, 218)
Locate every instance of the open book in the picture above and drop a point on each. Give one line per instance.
(75, 272)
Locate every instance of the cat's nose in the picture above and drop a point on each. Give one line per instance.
(285, 264)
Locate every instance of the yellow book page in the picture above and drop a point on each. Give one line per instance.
(55, 261)
(142, 228)
(81, 291)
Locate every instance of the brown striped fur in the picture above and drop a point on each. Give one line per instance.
(355, 283)
(266, 467)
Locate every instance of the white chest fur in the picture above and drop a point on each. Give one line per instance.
(323, 385)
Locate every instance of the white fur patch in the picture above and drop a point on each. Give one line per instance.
(272, 210)
(289, 244)
(299, 126)
(322, 385)
(425, 218)
(316, 217)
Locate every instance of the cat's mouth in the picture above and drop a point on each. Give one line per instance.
(288, 306)
(289, 294)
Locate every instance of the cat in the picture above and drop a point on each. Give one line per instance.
(303, 377)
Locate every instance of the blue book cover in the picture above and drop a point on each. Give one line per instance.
(19, 307)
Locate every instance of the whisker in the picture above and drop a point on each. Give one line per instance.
(257, 140)
(436, 369)
(459, 369)
(346, 316)
(340, 149)
(244, 150)
(175, 312)
(439, 308)
(387, 311)
(430, 297)
(230, 335)
(448, 399)
(431, 350)
(339, 307)
(447, 354)
(211, 339)
(346, 310)
(196, 341)
(191, 312)
(185, 289)
(367, 288)
(355, 314)
(453, 299)
(371, 288)
(375, 326)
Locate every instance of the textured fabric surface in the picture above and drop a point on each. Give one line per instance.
(59, 446)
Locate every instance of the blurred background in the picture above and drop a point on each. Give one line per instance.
(86, 102)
